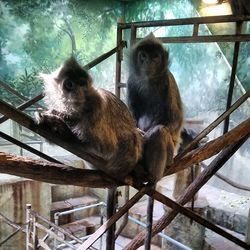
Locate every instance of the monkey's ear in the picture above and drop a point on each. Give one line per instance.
(151, 35)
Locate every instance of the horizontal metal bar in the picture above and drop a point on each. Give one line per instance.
(204, 39)
(60, 229)
(186, 21)
(166, 237)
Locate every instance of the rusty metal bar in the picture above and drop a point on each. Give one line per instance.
(121, 44)
(187, 21)
(196, 29)
(133, 36)
(232, 78)
(118, 62)
(204, 39)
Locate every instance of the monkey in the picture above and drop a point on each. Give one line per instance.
(154, 100)
(240, 7)
(96, 117)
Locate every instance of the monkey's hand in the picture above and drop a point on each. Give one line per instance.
(54, 124)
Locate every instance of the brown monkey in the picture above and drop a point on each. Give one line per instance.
(96, 117)
(154, 100)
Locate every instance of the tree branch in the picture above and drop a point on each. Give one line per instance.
(52, 172)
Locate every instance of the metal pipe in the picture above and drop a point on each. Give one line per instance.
(28, 210)
(169, 239)
(80, 208)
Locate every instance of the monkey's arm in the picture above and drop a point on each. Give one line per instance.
(54, 123)
(133, 99)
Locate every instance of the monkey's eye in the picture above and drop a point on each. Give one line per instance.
(68, 85)
(142, 56)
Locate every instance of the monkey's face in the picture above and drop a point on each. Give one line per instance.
(67, 87)
(150, 60)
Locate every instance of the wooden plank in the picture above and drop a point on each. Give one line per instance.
(211, 148)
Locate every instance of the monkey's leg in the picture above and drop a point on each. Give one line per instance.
(158, 153)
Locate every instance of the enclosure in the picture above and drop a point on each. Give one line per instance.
(209, 52)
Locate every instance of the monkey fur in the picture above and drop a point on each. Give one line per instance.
(154, 100)
(96, 117)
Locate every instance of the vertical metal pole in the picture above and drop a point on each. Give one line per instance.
(101, 221)
(133, 35)
(118, 60)
(248, 229)
(232, 78)
(111, 207)
(34, 234)
(28, 208)
(56, 219)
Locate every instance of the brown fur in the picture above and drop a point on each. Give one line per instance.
(95, 116)
(155, 102)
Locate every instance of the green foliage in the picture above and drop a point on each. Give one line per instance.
(39, 35)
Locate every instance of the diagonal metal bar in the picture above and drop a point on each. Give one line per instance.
(190, 191)
(101, 230)
(233, 75)
(24, 106)
(29, 148)
(9, 237)
(17, 94)
(214, 124)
